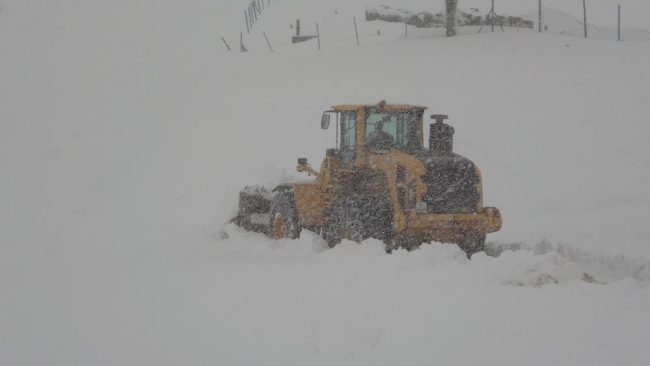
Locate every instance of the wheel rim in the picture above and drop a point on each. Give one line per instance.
(278, 226)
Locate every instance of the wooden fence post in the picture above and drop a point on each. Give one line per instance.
(267, 41)
(242, 48)
(355, 30)
(318, 35)
(584, 5)
(540, 16)
(619, 23)
(224, 41)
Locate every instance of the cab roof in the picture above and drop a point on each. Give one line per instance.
(380, 105)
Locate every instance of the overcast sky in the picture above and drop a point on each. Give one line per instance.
(635, 13)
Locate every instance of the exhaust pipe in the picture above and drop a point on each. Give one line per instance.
(441, 136)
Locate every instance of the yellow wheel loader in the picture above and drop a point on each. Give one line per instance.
(380, 182)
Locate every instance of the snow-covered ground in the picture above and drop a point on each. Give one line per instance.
(557, 22)
(127, 129)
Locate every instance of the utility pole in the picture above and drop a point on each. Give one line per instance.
(450, 20)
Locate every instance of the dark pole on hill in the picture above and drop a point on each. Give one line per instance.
(619, 23)
(267, 41)
(493, 16)
(318, 35)
(584, 6)
(355, 30)
(406, 25)
(540, 16)
(224, 41)
(451, 17)
(246, 16)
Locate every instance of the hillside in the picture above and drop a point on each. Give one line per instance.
(565, 24)
(127, 129)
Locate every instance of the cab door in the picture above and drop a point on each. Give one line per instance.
(348, 138)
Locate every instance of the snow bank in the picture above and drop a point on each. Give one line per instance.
(606, 267)
(517, 265)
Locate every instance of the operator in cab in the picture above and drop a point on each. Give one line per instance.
(378, 139)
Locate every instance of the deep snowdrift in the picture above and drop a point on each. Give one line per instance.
(127, 130)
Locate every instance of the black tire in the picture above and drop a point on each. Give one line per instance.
(473, 245)
(343, 224)
(358, 218)
(284, 216)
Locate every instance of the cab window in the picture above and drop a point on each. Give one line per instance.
(401, 126)
(348, 137)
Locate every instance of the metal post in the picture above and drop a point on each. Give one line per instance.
(267, 41)
(241, 41)
(247, 28)
(318, 35)
(355, 30)
(406, 25)
(584, 5)
(540, 16)
(619, 23)
(492, 16)
(224, 41)
(336, 143)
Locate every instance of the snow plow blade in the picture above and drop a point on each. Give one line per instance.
(254, 209)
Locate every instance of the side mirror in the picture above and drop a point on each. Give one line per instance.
(325, 122)
(302, 161)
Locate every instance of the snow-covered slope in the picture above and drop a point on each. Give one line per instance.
(561, 23)
(127, 129)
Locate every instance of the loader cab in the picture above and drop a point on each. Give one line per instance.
(359, 127)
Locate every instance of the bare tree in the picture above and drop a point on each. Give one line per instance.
(451, 17)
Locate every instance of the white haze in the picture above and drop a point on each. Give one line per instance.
(127, 130)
